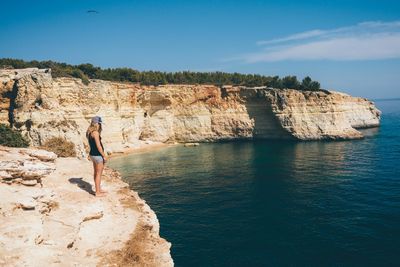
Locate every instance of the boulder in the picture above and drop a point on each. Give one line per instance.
(40, 154)
(25, 166)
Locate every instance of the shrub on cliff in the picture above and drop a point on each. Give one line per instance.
(60, 146)
(11, 138)
(310, 85)
(79, 74)
(290, 82)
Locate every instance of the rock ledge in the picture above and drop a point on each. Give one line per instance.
(56, 221)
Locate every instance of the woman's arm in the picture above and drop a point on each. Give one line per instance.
(96, 138)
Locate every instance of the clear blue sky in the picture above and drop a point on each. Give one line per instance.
(350, 46)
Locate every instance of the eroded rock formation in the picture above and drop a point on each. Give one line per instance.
(43, 107)
(59, 222)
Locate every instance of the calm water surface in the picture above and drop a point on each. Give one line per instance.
(278, 203)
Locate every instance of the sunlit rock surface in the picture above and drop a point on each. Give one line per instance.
(50, 217)
(43, 107)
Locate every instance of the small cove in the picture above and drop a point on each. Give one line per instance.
(268, 203)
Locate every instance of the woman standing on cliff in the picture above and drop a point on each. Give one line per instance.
(97, 154)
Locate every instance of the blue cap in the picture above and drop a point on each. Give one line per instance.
(96, 119)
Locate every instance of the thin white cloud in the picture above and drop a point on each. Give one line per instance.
(298, 36)
(372, 40)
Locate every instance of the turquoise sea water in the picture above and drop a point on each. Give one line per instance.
(270, 203)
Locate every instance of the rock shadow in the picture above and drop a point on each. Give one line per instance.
(12, 96)
(82, 184)
(266, 124)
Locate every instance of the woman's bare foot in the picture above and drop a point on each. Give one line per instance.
(103, 191)
(100, 194)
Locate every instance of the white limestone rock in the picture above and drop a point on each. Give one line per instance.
(40, 154)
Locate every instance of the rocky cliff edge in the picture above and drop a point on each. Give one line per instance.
(49, 217)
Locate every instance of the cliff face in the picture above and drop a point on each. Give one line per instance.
(49, 216)
(42, 107)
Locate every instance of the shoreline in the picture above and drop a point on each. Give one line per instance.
(50, 217)
(143, 148)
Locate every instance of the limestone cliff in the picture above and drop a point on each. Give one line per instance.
(42, 107)
(50, 217)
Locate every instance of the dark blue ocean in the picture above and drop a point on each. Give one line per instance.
(269, 203)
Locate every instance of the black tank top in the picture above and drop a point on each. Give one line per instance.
(93, 148)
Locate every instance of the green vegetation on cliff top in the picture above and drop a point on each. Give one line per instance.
(12, 138)
(88, 71)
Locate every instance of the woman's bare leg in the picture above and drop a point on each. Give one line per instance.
(97, 180)
(101, 173)
(94, 172)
